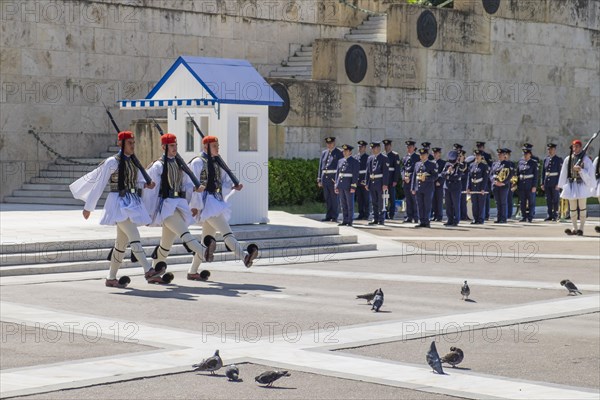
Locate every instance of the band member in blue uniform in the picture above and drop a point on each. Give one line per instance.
(394, 169)
(500, 176)
(487, 158)
(423, 184)
(511, 193)
(477, 185)
(453, 177)
(437, 208)
(326, 178)
(464, 168)
(346, 181)
(539, 166)
(550, 174)
(377, 177)
(408, 165)
(362, 195)
(427, 146)
(527, 171)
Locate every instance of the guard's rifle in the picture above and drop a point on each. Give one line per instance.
(180, 163)
(218, 159)
(133, 157)
(582, 153)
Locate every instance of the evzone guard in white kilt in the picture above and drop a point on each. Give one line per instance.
(123, 207)
(211, 210)
(577, 183)
(169, 208)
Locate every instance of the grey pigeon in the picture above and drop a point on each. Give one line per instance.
(465, 291)
(570, 286)
(368, 297)
(377, 300)
(232, 372)
(455, 356)
(268, 377)
(433, 359)
(210, 364)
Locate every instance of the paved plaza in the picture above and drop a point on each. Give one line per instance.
(67, 336)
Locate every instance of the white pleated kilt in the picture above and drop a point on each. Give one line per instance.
(119, 209)
(212, 208)
(167, 207)
(574, 190)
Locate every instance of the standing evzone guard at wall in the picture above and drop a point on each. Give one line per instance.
(500, 178)
(326, 178)
(437, 209)
(423, 182)
(394, 176)
(597, 174)
(169, 208)
(346, 181)
(527, 170)
(377, 176)
(362, 194)
(476, 186)
(550, 174)
(453, 177)
(123, 207)
(408, 165)
(577, 183)
(210, 208)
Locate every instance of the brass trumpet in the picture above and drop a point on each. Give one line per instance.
(502, 175)
(513, 183)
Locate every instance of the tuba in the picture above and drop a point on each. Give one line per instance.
(502, 175)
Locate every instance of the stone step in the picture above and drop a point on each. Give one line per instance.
(294, 69)
(306, 48)
(360, 31)
(295, 63)
(49, 201)
(305, 58)
(48, 186)
(94, 161)
(303, 54)
(293, 75)
(314, 253)
(96, 253)
(258, 231)
(72, 167)
(374, 22)
(72, 175)
(51, 181)
(366, 38)
(107, 154)
(64, 194)
(377, 18)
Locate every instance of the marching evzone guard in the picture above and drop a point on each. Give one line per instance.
(453, 177)
(210, 208)
(169, 208)
(577, 183)
(408, 165)
(123, 206)
(377, 176)
(346, 181)
(326, 178)
(487, 158)
(437, 209)
(597, 173)
(394, 176)
(477, 184)
(500, 178)
(527, 171)
(550, 175)
(423, 182)
(362, 195)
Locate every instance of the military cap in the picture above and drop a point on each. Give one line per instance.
(386, 141)
(452, 155)
(479, 144)
(437, 149)
(551, 145)
(478, 152)
(426, 145)
(423, 150)
(330, 139)
(410, 142)
(375, 143)
(527, 146)
(500, 151)
(458, 146)
(526, 150)
(347, 147)
(507, 150)
(462, 152)
(362, 143)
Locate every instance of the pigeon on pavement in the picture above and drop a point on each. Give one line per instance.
(433, 359)
(465, 291)
(455, 356)
(570, 286)
(232, 372)
(377, 300)
(368, 296)
(268, 377)
(210, 364)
